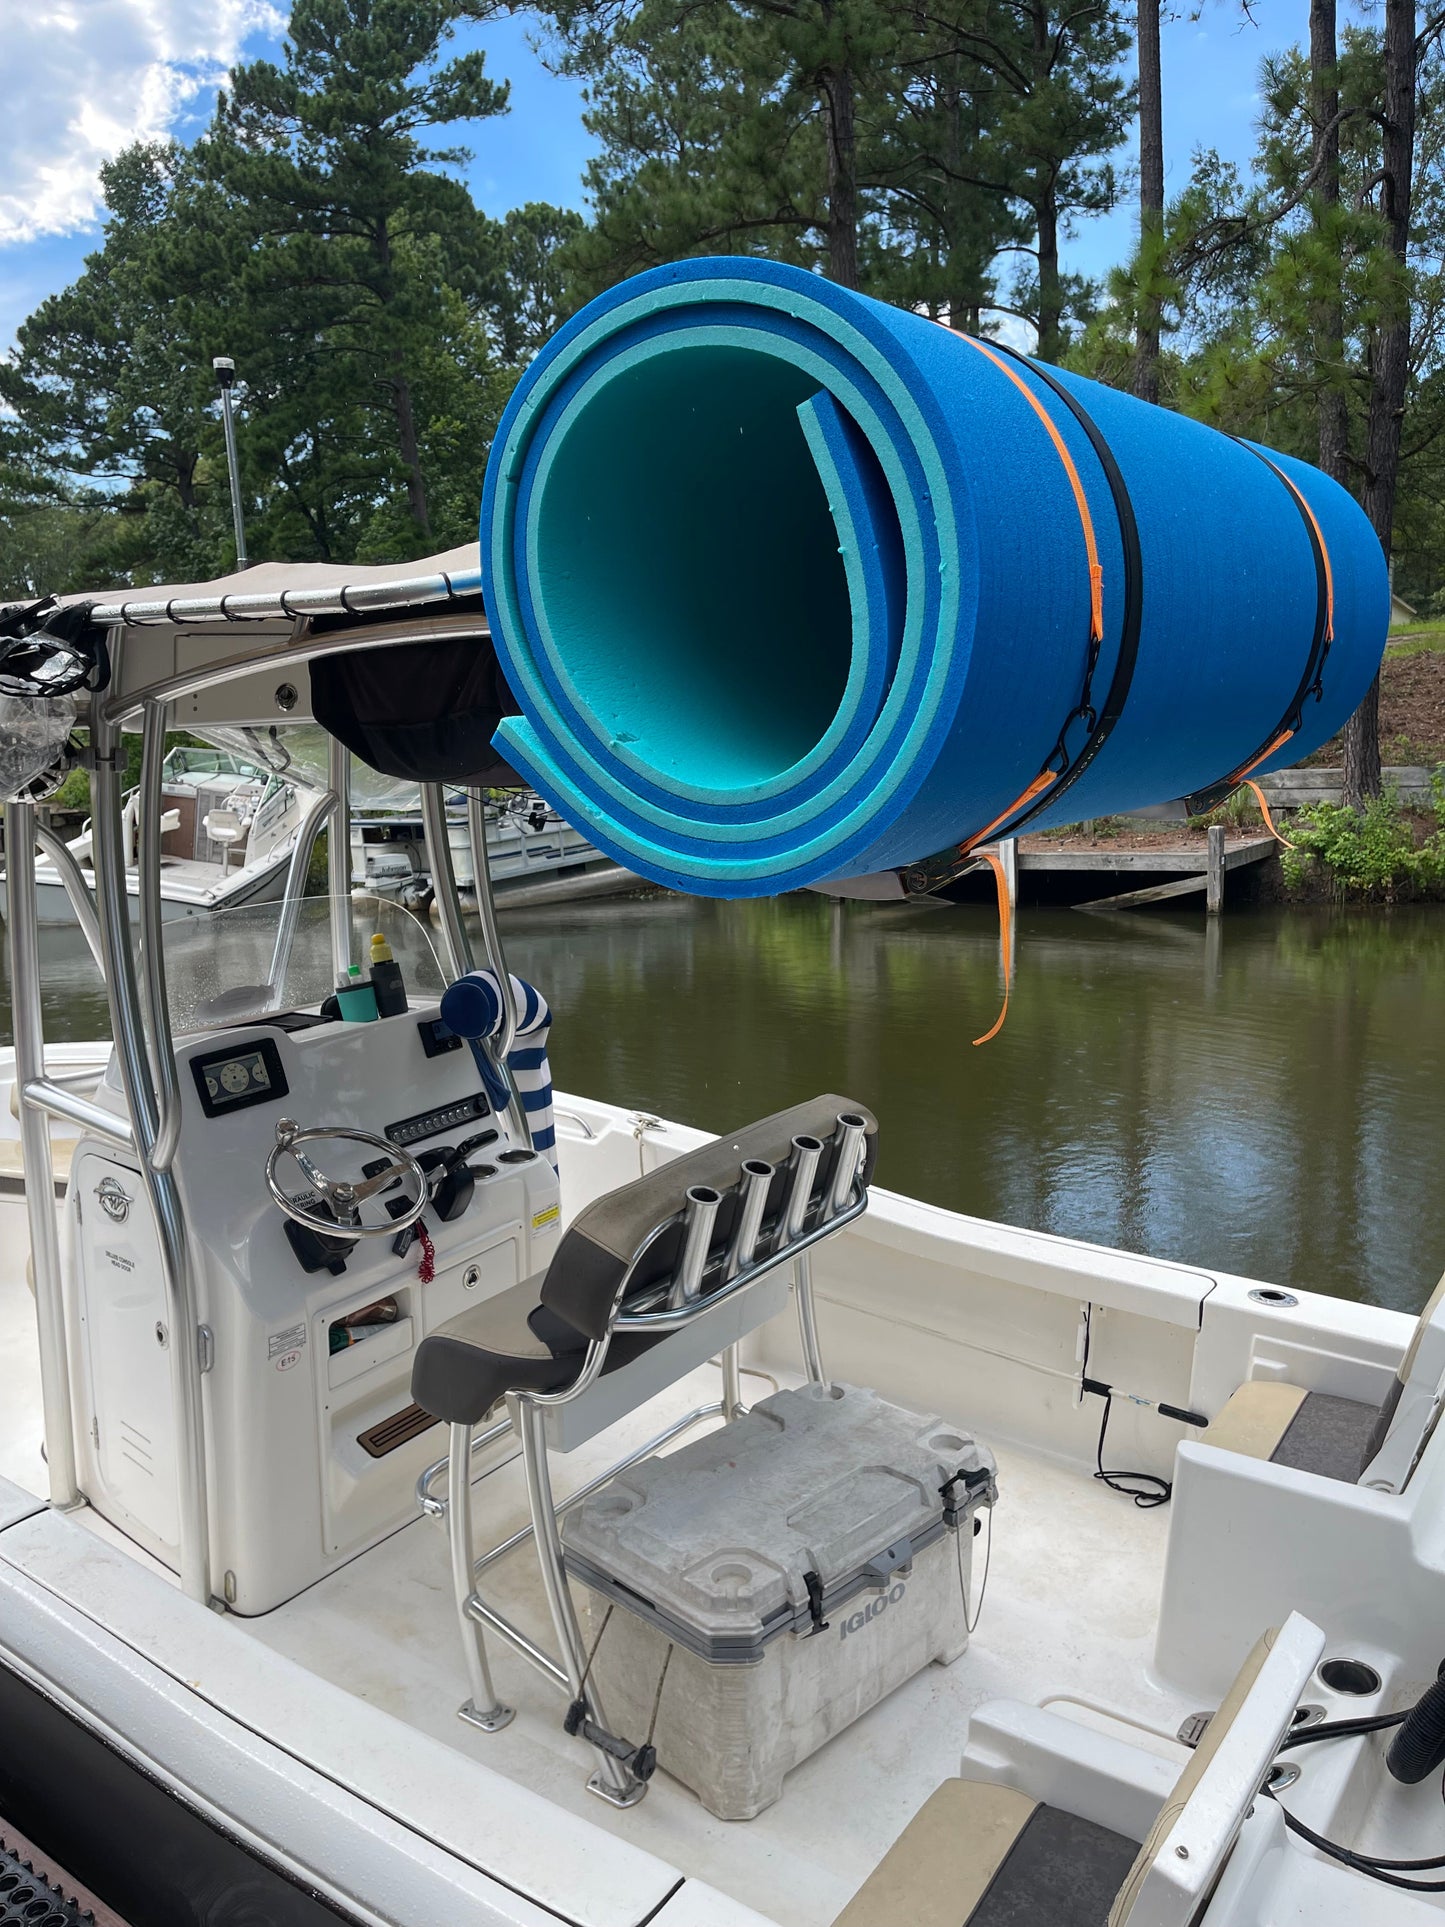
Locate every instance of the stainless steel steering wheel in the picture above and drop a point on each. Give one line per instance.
(344, 1196)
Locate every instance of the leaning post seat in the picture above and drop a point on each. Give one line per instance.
(980, 1853)
(535, 1337)
(647, 1282)
(1343, 1438)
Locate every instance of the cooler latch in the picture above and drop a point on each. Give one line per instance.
(978, 1489)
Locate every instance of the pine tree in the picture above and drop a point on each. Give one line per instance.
(357, 228)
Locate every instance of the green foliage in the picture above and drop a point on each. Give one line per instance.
(921, 150)
(1377, 853)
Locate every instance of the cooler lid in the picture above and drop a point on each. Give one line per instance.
(735, 1537)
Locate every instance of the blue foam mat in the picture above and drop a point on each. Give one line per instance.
(792, 586)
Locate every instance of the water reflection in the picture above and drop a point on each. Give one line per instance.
(1263, 1096)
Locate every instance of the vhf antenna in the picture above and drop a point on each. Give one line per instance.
(226, 374)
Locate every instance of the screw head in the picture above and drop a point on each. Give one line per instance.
(1182, 1853)
(286, 697)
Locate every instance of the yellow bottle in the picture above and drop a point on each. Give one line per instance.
(386, 979)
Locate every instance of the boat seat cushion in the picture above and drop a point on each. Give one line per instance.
(1310, 1431)
(599, 1247)
(509, 1343)
(980, 1855)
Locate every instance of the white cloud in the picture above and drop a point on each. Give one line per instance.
(84, 78)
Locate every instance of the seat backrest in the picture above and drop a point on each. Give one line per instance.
(1179, 1863)
(1412, 1407)
(222, 826)
(632, 1237)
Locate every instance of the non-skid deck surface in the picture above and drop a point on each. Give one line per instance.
(1069, 1610)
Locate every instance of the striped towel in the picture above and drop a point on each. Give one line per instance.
(472, 1007)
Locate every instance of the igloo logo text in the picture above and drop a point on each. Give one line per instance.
(855, 1622)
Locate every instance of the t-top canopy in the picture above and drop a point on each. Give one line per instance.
(271, 590)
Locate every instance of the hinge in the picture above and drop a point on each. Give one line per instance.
(95, 1432)
(205, 1347)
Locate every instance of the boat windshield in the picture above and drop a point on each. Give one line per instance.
(239, 965)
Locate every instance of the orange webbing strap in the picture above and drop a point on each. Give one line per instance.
(1005, 941)
(1269, 822)
(1081, 501)
(1036, 788)
(1319, 534)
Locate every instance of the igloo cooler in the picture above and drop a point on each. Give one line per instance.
(788, 1570)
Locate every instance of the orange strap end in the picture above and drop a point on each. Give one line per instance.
(1005, 942)
(1269, 822)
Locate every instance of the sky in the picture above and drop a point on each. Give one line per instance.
(87, 77)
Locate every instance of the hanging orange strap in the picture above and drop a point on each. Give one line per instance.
(1005, 940)
(1269, 822)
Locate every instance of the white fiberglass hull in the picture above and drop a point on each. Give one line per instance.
(1095, 1609)
(187, 890)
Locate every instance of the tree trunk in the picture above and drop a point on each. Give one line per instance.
(842, 177)
(1329, 327)
(1151, 200)
(1391, 364)
(407, 442)
(1051, 294)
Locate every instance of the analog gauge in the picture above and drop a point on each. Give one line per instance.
(235, 1077)
(258, 1073)
(212, 1086)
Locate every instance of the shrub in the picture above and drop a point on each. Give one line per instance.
(1375, 853)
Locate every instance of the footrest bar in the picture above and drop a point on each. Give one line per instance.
(488, 1616)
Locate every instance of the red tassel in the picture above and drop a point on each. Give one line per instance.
(427, 1269)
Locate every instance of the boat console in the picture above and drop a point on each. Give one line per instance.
(384, 1132)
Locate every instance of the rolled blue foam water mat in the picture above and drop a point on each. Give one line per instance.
(792, 586)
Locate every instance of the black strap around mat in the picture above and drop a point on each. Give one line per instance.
(945, 865)
(1213, 794)
(1131, 621)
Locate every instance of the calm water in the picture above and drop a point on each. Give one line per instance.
(1266, 1097)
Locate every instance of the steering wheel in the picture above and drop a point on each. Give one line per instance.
(345, 1196)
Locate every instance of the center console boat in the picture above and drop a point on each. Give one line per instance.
(465, 1501)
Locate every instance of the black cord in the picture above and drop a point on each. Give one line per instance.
(1373, 1866)
(1341, 1729)
(1361, 1863)
(1146, 1489)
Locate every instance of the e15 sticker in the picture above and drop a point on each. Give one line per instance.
(283, 1349)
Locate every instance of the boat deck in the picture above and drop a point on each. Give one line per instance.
(1069, 1611)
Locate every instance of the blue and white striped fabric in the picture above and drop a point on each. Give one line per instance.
(472, 1007)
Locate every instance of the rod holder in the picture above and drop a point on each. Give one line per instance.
(802, 1170)
(698, 1217)
(848, 1141)
(757, 1178)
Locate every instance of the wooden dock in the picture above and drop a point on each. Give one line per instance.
(1196, 867)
